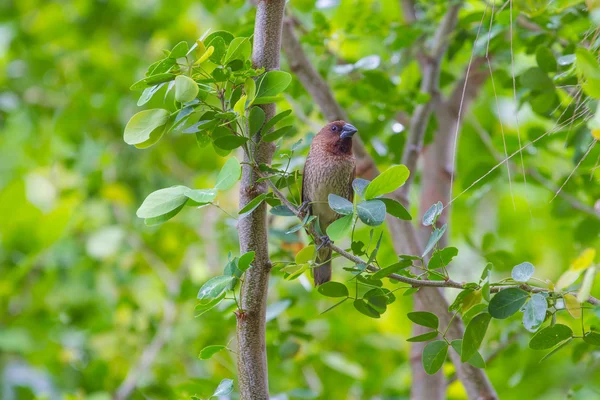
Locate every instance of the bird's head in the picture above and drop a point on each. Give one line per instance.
(337, 136)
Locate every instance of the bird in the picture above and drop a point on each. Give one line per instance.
(330, 168)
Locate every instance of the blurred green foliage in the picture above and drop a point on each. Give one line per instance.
(85, 286)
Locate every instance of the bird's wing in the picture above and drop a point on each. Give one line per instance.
(351, 193)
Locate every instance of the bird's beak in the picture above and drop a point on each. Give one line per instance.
(348, 130)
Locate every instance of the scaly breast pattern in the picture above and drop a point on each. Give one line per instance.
(323, 178)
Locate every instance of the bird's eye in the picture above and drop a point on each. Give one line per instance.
(334, 128)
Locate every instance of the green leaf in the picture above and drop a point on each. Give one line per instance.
(209, 305)
(340, 205)
(442, 258)
(371, 212)
(227, 37)
(340, 228)
(386, 182)
(252, 205)
(424, 337)
(507, 302)
(282, 211)
(214, 287)
(210, 351)
(424, 318)
(224, 388)
(364, 308)
(556, 349)
(306, 255)
(378, 303)
(396, 209)
(435, 237)
(534, 312)
(200, 196)
(180, 50)
(333, 289)
(148, 93)
(278, 133)
(572, 305)
(240, 105)
(536, 79)
(163, 218)
(550, 337)
(163, 201)
(245, 260)
(586, 285)
(255, 120)
(220, 47)
(359, 185)
(272, 83)
(392, 269)
(592, 338)
(250, 89)
(229, 174)
(432, 213)
(477, 360)
(474, 335)
(186, 89)
(523, 272)
(146, 127)
(271, 123)
(239, 49)
(545, 59)
(434, 355)
(230, 142)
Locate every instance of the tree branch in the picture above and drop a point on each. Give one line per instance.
(431, 65)
(252, 357)
(415, 283)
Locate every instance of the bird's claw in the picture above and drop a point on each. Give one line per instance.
(324, 242)
(303, 209)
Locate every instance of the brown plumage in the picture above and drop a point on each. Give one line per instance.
(329, 168)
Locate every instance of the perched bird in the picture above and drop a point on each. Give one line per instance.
(329, 168)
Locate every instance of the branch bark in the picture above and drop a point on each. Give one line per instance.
(252, 356)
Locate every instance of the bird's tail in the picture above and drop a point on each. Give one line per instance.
(322, 273)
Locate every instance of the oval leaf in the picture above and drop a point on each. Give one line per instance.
(333, 289)
(550, 337)
(523, 272)
(434, 355)
(396, 209)
(424, 318)
(424, 337)
(162, 202)
(572, 305)
(210, 351)
(214, 287)
(272, 83)
(507, 302)
(340, 228)
(534, 312)
(340, 205)
(229, 174)
(371, 212)
(474, 335)
(186, 89)
(388, 181)
(142, 127)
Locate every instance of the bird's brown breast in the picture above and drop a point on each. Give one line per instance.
(326, 173)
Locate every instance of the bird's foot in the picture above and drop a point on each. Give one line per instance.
(324, 241)
(303, 209)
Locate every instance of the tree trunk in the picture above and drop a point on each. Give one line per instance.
(252, 356)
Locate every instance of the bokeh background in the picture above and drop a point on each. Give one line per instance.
(87, 290)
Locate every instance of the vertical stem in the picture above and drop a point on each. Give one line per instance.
(252, 356)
